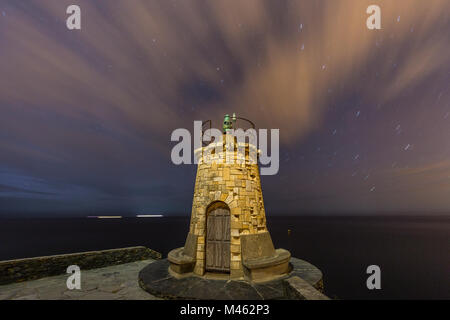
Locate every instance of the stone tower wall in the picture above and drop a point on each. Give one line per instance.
(238, 185)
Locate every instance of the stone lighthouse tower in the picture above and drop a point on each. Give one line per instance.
(228, 235)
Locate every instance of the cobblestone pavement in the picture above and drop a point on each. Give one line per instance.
(118, 282)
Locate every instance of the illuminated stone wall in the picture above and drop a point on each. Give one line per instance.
(238, 185)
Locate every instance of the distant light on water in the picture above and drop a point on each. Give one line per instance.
(149, 216)
(106, 217)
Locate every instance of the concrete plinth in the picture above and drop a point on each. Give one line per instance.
(159, 281)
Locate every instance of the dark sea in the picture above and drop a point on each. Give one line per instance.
(412, 252)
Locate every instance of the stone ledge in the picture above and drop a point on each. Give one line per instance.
(280, 256)
(297, 288)
(179, 262)
(39, 267)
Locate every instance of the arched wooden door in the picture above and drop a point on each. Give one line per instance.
(218, 240)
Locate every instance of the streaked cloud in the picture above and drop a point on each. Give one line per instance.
(95, 108)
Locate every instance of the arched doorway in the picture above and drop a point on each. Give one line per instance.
(218, 238)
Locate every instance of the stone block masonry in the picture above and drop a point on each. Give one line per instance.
(237, 185)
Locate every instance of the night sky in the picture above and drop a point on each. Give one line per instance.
(86, 115)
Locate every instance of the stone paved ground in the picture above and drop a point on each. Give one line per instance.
(118, 282)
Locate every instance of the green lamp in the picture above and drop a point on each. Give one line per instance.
(227, 124)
